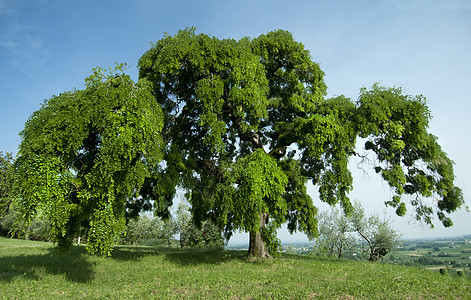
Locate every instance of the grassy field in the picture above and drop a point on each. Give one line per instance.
(452, 255)
(31, 270)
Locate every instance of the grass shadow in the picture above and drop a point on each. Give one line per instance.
(73, 265)
(204, 256)
(314, 257)
(131, 253)
(183, 257)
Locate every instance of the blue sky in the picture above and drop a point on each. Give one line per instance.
(48, 47)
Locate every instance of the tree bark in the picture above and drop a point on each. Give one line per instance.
(257, 246)
(340, 250)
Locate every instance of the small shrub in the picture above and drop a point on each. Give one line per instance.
(460, 273)
(443, 271)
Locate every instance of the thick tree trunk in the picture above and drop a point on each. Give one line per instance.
(257, 246)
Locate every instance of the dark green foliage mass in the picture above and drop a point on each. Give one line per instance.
(85, 154)
(231, 104)
(247, 126)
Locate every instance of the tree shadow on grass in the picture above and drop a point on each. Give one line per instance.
(184, 257)
(200, 256)
(313, 257)
(73, 265)
(130, 253)
(205, 256)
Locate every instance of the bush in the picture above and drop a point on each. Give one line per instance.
(443, 271)
(209, 235)
(460, 273)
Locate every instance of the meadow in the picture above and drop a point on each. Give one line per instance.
(33, 270)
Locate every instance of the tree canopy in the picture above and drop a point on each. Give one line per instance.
(241, 125)
(85, 154)
(247, 125)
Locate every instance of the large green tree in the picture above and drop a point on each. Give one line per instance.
(247, 126)
(85, 155)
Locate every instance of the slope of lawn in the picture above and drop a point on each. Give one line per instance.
(32, 270)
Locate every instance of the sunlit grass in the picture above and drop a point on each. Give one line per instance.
(33, 270)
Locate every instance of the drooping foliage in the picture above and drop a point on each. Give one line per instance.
(85, 154)
(408, 157)
(220, 106)
(247, 126)
(255, 184)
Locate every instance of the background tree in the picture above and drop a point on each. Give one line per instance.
(149, 231)
(6, 185)
(12, 225)
(334, 232)
(376, 232)
(84, 156)
(338, 232)
(246, 126)
(182, 218)
(206, 235)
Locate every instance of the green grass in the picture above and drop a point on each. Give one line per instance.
(452, 256)
(31, 270)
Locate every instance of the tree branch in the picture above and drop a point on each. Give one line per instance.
(369, 243)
